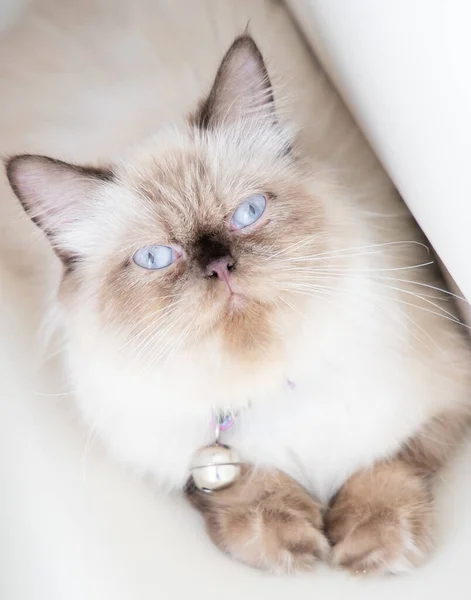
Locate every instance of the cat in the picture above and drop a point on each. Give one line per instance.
(253, 259)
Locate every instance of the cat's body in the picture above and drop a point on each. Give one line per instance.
(343, 397)
(350, 366)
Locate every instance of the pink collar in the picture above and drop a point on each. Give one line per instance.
(222, 422)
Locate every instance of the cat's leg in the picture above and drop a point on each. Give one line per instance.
(381, 521)
(265, 520)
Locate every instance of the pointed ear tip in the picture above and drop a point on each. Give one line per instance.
(9, 160)
(245, 41)
(17, 167)
(10, 163)
(245, 38)
(16, 159)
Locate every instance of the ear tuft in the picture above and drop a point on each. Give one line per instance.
(54, 194)
(241, 90)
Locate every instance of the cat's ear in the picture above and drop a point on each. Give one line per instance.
(242, 88)
(58, 197)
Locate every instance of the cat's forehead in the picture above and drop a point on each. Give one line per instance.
(224, 164)
(170, 198)
(189, 190)
(182, 193)
(187, 185)
(179, 178)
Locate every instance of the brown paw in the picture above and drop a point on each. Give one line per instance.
(275, 526)
(381, 522)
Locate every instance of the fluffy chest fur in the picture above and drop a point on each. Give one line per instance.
(340, 399)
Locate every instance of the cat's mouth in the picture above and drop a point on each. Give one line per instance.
(232, 295)
(234, 300)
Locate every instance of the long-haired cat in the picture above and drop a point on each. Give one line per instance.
(249, 258)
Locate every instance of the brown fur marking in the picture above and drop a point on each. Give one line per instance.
(433, 446)
(381, 520)
(265, 520)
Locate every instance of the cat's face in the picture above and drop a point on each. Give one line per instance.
(202, 233)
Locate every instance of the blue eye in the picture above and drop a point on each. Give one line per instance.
(154, 257)
(249, 211)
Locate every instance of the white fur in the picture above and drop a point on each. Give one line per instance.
(352, 404)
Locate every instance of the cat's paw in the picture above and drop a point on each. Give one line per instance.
(278, 529)
(386, 533)
(276, 539)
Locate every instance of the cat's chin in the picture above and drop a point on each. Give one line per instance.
(236, 303)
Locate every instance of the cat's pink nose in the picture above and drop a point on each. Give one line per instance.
(220, 268)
